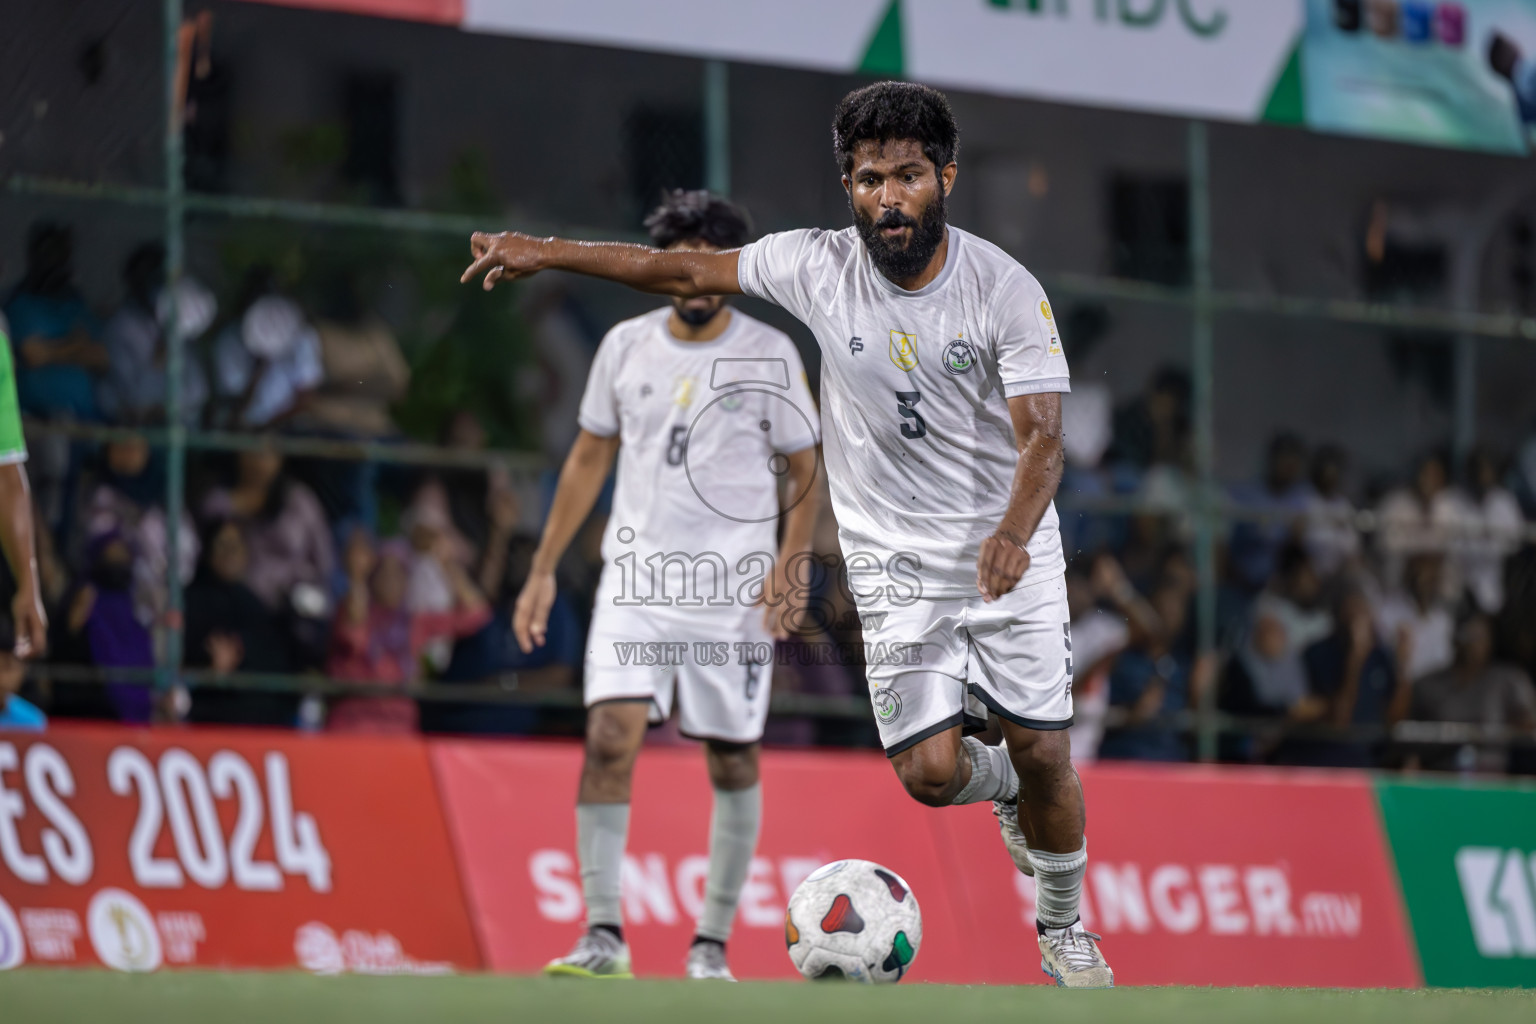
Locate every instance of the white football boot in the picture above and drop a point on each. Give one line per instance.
(597, 954)
(1070, 957)
(706, 962)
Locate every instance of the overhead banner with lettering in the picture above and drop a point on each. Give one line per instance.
(1206, 58)
(1196, 876)
(1455, 73)
(141, 849)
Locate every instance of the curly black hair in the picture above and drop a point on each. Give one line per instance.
(698, 215)
(887, 111)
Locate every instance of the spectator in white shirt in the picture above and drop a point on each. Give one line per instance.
(1106, 613)
(134, 388)
(1490, 529)
(1419, 520)
(1416, 620)
(1331, 538)
(1294, 598)
(268, 362)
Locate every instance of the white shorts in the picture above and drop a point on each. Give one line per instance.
(717, 664)
(936, 664)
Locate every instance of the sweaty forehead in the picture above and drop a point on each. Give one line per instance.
(886, 154)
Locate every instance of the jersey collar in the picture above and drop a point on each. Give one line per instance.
(931, 287)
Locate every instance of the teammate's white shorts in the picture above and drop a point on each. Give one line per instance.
(715, 663)
(936, 664)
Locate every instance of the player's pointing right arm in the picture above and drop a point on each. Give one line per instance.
(508, 255)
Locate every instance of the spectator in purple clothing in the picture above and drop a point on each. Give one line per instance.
(102, 623)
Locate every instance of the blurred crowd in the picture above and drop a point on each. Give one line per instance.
(377, 575)
(1343, 605)
(1338, 611)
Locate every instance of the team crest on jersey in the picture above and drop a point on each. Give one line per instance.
(731, 401)
(959, 357)
(682, 391)
(904, 350)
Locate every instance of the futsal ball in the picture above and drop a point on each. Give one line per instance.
(854, 920)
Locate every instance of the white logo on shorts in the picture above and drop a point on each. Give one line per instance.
(887, 705)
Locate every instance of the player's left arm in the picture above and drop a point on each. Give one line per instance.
(802, 504)
(1038, 437)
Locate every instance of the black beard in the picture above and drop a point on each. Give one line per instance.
(896, 263)
(695, 317)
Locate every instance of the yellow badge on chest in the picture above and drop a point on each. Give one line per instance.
(904, 350)
(682, 391)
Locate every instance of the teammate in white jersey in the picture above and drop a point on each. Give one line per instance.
(942, 374)
(709, 413)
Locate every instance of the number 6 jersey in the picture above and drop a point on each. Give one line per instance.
(920, 448)
(703, 427)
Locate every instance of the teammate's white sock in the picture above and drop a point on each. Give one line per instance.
(601, 831)
(992, 774)
(1058, 885)
(733, 829)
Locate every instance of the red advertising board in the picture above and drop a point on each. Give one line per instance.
(1196, 876)
(137, 849)
(511, 810)
(1227, 876)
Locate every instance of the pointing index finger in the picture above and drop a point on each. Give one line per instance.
(481, 264)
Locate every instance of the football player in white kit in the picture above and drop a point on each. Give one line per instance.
(708, 411)
(942, 374)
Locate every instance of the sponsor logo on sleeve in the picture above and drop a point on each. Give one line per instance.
(1048, 322)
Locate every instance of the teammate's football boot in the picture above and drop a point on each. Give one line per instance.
(1071, 958)
(597, 954)
(706, 962)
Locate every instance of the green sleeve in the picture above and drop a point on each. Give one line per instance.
(13, 447)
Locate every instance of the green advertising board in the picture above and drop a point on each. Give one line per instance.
(1466, 858)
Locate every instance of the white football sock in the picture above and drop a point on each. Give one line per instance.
(1058, 885)
(733, 829)
(601, 831)
(992, 774)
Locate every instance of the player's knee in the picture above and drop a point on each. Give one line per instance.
(611, 744)
(927, 779)
(732, 766)
(1047, 754)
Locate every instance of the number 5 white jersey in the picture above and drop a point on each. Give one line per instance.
(920, 448)
(703, 429)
